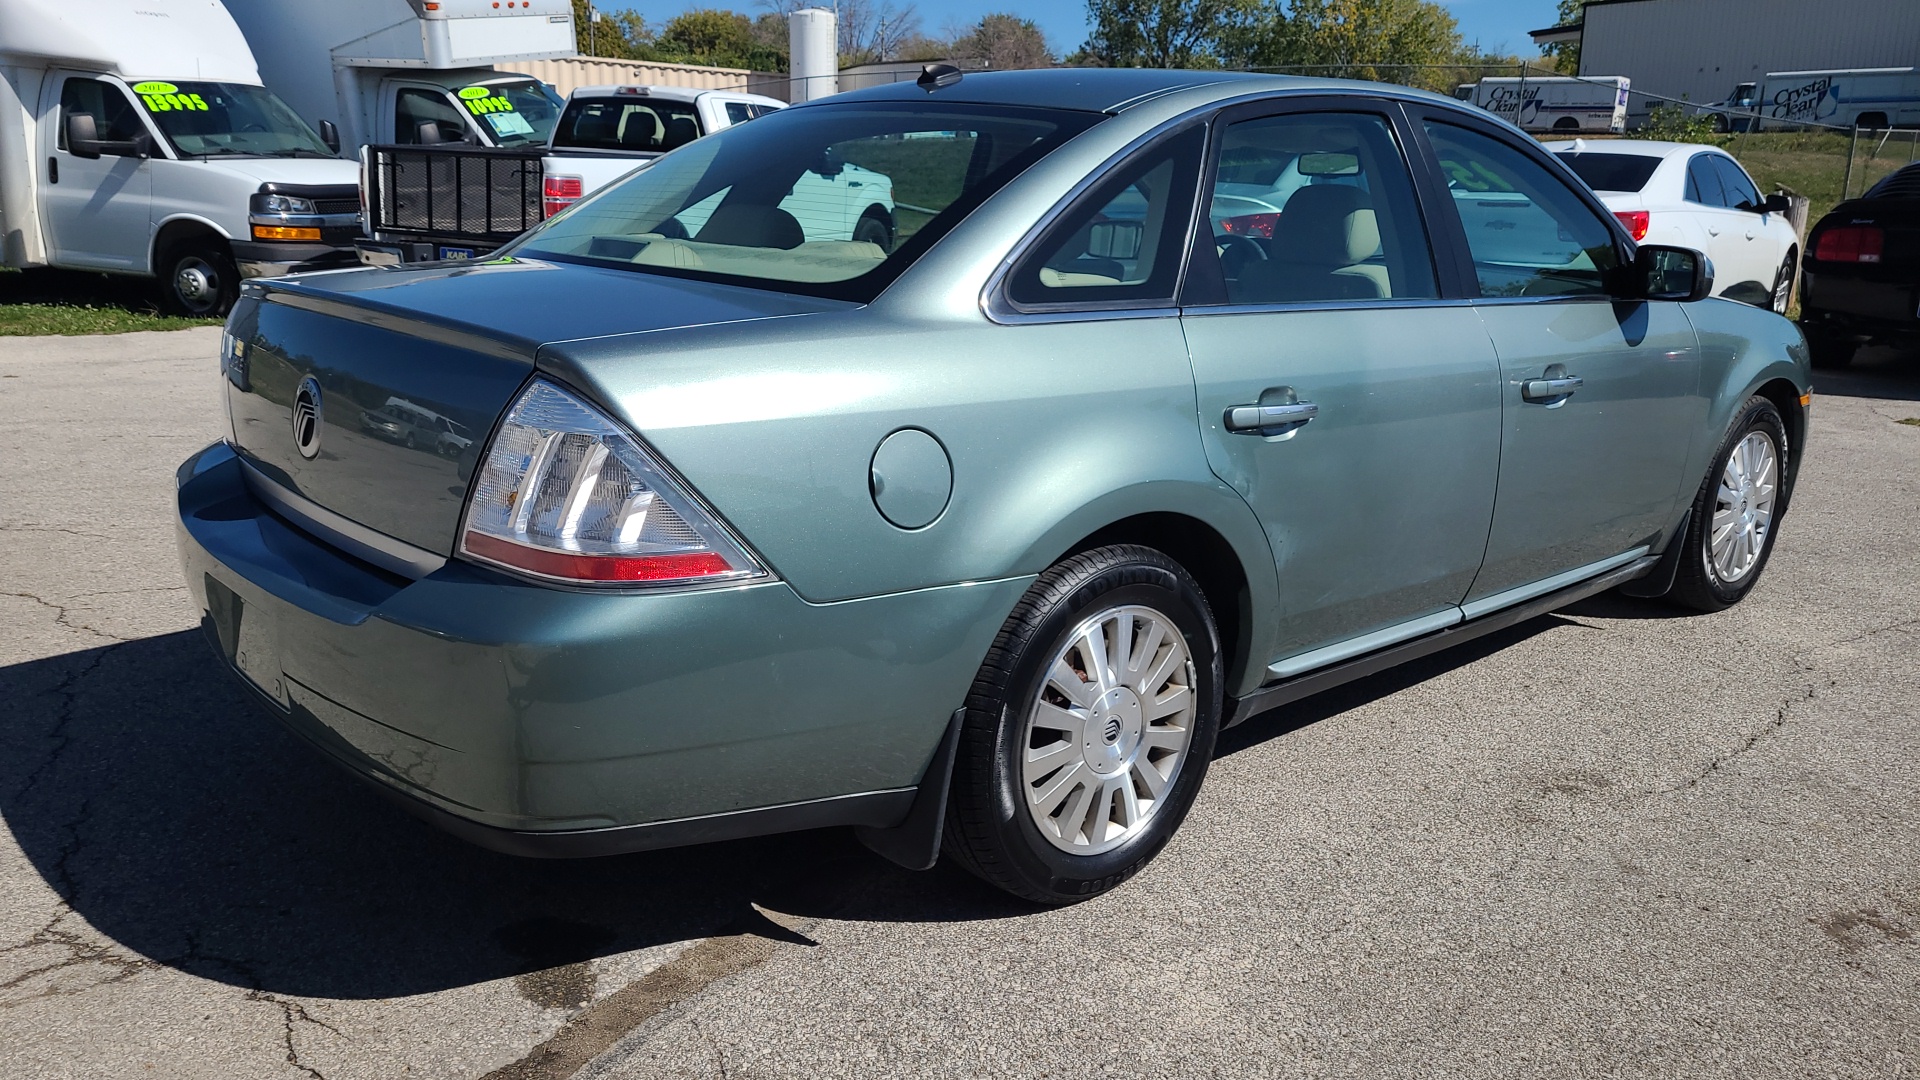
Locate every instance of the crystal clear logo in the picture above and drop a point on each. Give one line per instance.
(306, 418)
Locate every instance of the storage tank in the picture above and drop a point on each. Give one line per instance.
(812, 39)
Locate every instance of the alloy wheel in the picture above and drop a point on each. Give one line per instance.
(1743, 508)
(1108, 730)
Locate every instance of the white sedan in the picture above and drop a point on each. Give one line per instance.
(1689, 195)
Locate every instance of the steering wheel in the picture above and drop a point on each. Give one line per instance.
(1236, 252)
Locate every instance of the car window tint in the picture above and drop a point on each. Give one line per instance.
(1124, 241)
(114, 119)
(1527, 231)
(738, 112)
(1739, 190)
(412, 108)
(1703, 182)
(1314, 207)
(1613, 172)
(613, 124)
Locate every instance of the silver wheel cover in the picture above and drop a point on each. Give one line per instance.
(1743, 508)
(1783, 289)
(1107, 734)
(197, 284)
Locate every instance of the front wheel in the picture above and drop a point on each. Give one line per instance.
(1731, 531)
(874, 229)
(1089, 728)
(198, 279)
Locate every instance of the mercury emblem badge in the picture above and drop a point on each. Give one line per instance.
(306, 418)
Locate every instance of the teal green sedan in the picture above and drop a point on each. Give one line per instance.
(1166, 399)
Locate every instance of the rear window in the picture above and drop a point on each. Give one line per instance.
(638, 124)
(1904, 184)
(1612, 172)
(828, 200)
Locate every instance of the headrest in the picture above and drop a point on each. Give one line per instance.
(1327, 225)
(640, 131)
(747, 225)
(681, 130)
(596, 125)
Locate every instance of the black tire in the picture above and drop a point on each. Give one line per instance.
(874, 228)
(1876, 121)
(1783, 280)
(1827, 351)
(1566, 123)
(1720, 123)
(198, 278)
(1697, 584)
(989, 830)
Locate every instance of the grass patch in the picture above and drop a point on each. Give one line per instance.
(41, 301)
(1911, 421)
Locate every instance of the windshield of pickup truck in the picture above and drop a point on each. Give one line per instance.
(206, 119)
(828, 200)
(633, 124)
(516, 112)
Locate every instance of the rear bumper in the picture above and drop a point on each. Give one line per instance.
(543, 721)
(1860, 308)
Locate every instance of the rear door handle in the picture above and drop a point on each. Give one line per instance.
(1555, 389)
(1269, 419)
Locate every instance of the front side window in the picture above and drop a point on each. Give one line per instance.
(750, 205)
(514, 112)
(1703, 183)
(1313, 207)
(1125, 240)
(426, 116)
(114, 118)
(1733, 179)
(1527, 231)
(626, 124)
(204, 119)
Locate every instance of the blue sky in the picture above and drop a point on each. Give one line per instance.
(1498, 25)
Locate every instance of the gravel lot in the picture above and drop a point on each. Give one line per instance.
(1615, 841)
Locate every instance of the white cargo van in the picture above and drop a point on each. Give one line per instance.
(1868, 97)
(412, 71)
(136, 138)
(1589, 105)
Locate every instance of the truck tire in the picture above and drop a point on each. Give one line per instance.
(198, 279)
(874, 228)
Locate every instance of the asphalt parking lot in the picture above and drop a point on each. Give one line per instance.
(1615, 841)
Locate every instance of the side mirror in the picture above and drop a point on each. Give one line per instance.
(1775, 204)
(83, 138)
(828, 164)
(1672, 273)
(330, 135)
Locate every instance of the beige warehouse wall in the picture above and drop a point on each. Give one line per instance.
(571, 72)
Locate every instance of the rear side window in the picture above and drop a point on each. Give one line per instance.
(114, 119)
(1529, 234)
(615, 124)
(1703, 182)
(1125, 240)
(1739, 190)
(1612, 172)
(1311, 207)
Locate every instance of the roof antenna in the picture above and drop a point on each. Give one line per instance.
(937, 76)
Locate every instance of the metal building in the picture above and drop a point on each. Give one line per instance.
(1701, 49)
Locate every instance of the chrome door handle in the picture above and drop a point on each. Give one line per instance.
(1550, 389)
(1269, 419)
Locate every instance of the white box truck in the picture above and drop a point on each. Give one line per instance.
(1589, 105)
(137, 138)
(412, 71)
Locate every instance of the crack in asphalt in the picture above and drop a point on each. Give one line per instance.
(60, 617)
(289, 1012)
(34, 526)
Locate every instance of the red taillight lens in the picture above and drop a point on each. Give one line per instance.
(559, 192)
(1636, 222)
(1850, 244)
(1260, 225)
(570, 566)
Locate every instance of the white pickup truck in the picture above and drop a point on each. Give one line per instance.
(603, 133)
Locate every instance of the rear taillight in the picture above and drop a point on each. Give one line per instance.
(1260, 225)
(569, 495)
(1636, 222)
(1850, 244)
(559, 192)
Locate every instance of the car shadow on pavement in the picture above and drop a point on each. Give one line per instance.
(183, 823)
(1878, 372)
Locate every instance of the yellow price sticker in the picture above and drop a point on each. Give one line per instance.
(174, 102)
(485, 105)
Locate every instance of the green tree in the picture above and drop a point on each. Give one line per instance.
(1566, 54)
(622, 35)
(1364, 39)
(1170, 33)
(716, 38)
(1005, 42)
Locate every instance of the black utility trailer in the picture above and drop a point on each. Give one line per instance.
(453, 201)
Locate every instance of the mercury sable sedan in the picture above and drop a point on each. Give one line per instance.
(974, 540)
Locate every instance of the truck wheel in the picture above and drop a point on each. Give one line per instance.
(874, 229)
(198, 279)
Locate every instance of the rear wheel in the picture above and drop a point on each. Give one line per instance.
(198, 278)
(1783, 285)
(1089, 728)
(1731, 531)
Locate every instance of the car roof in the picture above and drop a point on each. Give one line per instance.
(1636, 147)
(668, 93)
(1112, 90)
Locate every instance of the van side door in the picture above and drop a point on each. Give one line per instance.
(98, 211)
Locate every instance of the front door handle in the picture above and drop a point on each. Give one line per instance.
(1554, 389)
(1269, 419)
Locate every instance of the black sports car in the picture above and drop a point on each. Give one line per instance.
(1860, 278)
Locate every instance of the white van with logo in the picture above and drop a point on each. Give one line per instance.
(1589, 105)
(136, 138)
